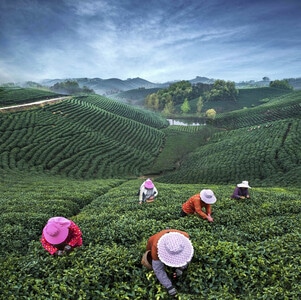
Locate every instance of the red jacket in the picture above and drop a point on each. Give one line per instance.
(195, 205)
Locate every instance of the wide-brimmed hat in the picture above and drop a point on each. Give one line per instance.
(244, 184)
(56, 230)
(175, 249)
(62, 221)
(208, 196)
(148, 184)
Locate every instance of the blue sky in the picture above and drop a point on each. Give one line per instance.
(158, 40)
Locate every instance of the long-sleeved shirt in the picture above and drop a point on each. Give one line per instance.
(158, 266)
(195, 205)
(238, 192)
(74, 239)
(145, 194)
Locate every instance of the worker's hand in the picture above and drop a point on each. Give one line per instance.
(209, 218)
(59, 252)
(242, 197)
(177, 273)
(151, 198)
(68, 248)
(172, 291)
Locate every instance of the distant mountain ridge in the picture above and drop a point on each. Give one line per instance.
(109, 86)
(115, 85)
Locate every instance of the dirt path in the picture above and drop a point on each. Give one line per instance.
(33, 104)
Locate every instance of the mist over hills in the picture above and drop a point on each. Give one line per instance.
(113, 86)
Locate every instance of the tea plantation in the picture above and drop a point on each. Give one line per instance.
(82, 158)
(251, 251)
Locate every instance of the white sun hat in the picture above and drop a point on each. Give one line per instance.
(175, 249)
(244, 184)
(208, 196)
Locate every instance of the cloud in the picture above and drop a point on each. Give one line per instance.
(157, 40)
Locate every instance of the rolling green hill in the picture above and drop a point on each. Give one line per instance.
(261, 144)
(15, 96)
(247, 98)
(85, 137)
(96, 137)
(80, 158)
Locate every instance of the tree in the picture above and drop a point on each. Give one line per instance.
(152, 101)
(281, 84)
(199, 105)
(210, 113)
(70, 87)
(222, 90)
(168, 109)
(185, 107)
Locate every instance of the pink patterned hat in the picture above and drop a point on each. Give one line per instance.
(56, 230)
(148, 184)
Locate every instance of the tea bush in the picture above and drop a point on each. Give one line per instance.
(251, 251)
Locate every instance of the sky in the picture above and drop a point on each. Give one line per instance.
(157, 40)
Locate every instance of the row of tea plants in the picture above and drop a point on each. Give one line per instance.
(251, 251)
(268, 154)
(80, 139)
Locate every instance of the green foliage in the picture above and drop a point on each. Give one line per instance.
(179, 142)
(251, 251)
(210, 114)
(70, 87)
(281, 84)
(222, 90)
(199, 105)
(185, 107)
(175, 95)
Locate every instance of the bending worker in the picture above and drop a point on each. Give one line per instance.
(148, 192)
(199, 204)
(60, 236)
(171, 248)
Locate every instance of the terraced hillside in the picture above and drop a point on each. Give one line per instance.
(96, 137)
(84, 137)
(261, 144)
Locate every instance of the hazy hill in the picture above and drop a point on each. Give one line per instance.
(113, 86)
(109, 86)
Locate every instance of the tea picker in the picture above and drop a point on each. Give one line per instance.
(168, 248)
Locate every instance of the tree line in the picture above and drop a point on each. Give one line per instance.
(177, 96)
(70, 87)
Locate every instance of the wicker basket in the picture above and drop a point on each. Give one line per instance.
(147, 260)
